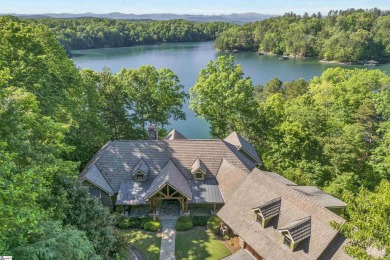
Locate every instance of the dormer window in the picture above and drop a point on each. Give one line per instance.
(296, 232)
(199, 175)
(140, 176)
(140, 171)
(198, 170)
(268, 210)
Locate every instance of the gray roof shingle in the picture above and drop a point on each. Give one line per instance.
(206, 191)
(322, 198)
(171, 175)
(229, 178)
(241, 144)
(174, 135)
(141, 166)
(259, 188)
(132, 193)
(298, 229)
(94, 176)
(198, 164)
(119, 159)
(270, 209)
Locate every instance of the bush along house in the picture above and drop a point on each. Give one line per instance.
(273, 217)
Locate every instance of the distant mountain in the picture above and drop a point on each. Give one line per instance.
(231, 18)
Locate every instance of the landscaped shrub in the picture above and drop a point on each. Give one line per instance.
(118, 209)
(200, 220)
(184, 223)
(133, 222)
(152, 226)
(117, 218)
(213, 224)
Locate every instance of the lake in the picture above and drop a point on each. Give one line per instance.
(187, 59)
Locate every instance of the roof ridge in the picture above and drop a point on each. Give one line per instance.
(96, 157)
(297, 223)
(104, 177)
(301, 195)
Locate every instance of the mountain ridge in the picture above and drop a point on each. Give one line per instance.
(231, 18)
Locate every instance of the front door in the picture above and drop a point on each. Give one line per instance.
(169, 208)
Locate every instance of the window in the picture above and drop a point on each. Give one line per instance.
(139, 177)
(287, 241)
(199, 175)
(95, 192)
(259, 218)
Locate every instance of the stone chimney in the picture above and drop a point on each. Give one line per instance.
(153, 132)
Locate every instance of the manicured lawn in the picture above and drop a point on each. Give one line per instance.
(148, 243)
(198, 243)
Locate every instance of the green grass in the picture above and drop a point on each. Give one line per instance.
(148, 243)
(198, 243)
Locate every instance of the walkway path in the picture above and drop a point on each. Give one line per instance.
(167, 251)
(169, 213)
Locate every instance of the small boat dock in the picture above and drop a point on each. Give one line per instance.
(371, 63)
(284, 57)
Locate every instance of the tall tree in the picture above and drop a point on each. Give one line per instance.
(223, 96)
(152, 95)
(369, 221)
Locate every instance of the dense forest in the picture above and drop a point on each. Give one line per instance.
(332, 132)
(347, 36)
(53, 118)
(89, 33)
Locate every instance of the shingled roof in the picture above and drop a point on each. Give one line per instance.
(299, 229)
(198, 165)
(120, 158)
(259, 188)
(206, 191)
(172, 176)
(174, 135)
(230, 178)
(94, 176)
(322, 198)
(141, 166)
(132, 193)
(241, 144)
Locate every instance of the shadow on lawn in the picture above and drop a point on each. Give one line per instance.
(198, 244)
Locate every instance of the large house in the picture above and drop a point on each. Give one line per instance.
(273, 217)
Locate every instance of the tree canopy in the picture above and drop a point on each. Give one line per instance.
(223, 96)
(346, 36)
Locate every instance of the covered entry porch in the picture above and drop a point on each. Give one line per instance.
(168, 196)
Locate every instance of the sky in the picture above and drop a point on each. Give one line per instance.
(206, 7)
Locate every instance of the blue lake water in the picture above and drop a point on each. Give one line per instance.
(187, 59)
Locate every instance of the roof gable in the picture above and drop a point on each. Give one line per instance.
(94, 176)
(198, 165)
(269, 209)
(241, 144)
(141, 166)
(172, 176)
(298, 229)
(174, 135)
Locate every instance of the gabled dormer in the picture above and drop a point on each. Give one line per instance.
(140, 171)
(265, 212)
(198, 170)
(296, 232)
(244, 147)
